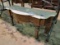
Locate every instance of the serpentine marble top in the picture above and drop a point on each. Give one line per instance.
(40, 14)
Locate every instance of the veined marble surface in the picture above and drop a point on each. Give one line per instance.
(40, 14)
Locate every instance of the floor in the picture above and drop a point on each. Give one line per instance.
(9, 35)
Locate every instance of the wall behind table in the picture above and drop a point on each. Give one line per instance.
(17, 1)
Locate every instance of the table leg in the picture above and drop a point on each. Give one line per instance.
(48, 36)
(48, 27)
(37, 32)
(11, 17)
(1, 13)
(48, 24)
(22, 4)
(12, 2)
(9, 2)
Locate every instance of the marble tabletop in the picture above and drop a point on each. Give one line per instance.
(40, 14)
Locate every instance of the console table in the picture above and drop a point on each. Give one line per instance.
(37, 17)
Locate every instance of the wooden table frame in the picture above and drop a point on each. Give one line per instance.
(37, 22)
